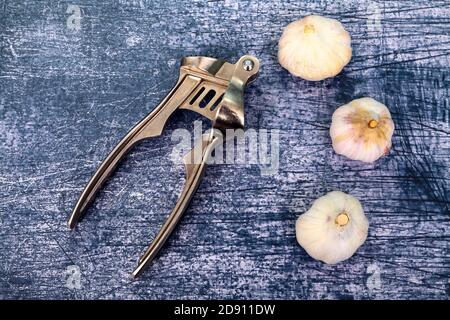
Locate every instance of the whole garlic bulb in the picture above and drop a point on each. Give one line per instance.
(314, 48)
(362, 130)
(333, 228)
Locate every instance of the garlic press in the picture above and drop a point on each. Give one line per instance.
(211, 87)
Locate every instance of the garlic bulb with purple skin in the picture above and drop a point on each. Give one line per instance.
(362, 130)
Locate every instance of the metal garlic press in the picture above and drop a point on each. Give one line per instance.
(211, 87)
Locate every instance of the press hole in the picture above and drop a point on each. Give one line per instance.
(199, 92)
(207, 98)
(217, 102)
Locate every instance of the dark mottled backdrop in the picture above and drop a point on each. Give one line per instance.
(76, 75)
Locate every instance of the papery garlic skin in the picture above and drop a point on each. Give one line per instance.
(314, 48)
(362, 130)
(333, 228)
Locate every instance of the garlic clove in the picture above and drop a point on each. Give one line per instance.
(362, 130)
(314, 48)
(333, 228)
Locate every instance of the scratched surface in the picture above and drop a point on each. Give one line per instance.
(69, 91)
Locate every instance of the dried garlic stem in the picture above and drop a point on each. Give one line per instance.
(373, 123)
(309, 28)
(342, 219)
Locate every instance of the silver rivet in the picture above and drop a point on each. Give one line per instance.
(248, 65)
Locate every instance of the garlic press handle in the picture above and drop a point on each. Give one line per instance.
(195, 165)
(151, 126)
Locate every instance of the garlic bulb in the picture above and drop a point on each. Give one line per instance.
(362, 130)
(314, 48)
(333, 228)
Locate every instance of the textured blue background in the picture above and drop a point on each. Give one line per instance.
(67, 97)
